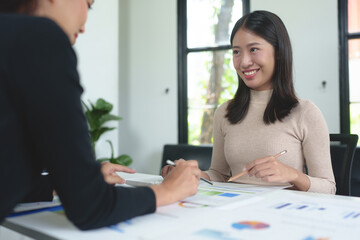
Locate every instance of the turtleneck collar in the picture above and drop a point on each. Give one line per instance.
(260, 96)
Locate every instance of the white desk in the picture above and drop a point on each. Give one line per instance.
(219, 213)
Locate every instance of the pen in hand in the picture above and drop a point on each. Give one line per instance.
(169, 162)
(246, 171)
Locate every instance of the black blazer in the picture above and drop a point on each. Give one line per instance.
(42, 126)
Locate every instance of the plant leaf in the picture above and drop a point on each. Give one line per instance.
(97, 115)
(86, 106)
(124, 160)
(111, 148)
(103, 105)
(108, 117)
(95, 134)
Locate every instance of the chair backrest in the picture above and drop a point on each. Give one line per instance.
(342, 150)
(355, 174)
(201, 153)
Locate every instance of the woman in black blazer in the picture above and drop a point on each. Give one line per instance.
(42, 124)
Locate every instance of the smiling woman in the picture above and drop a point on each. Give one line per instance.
(265, 116)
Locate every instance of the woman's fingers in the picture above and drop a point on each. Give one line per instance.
(256, 162)
(181, 182)
(262, 166)
(109, 172)
(166, 170)
(271, 170)
(114, 179)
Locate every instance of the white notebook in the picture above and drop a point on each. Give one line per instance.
(140, 179)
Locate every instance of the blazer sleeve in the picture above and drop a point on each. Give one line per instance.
(47, 83)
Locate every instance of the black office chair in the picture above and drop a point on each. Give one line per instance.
(342, 149)
(201, 153)
(355, 175)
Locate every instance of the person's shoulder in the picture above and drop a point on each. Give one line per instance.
(306, 105)
(44, 28)
(307, 109)
(221, 110)
(36, 40)
(23, 28)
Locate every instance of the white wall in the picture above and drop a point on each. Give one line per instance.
(313, 29)
(98, 60)
(148, 59)
(128, 56)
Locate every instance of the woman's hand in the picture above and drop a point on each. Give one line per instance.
(182, 181)
(166, 170)
(109, 172)
(269, 169)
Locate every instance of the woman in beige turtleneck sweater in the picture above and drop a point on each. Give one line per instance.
(265, 117)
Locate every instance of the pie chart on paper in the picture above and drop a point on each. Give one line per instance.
(253, 225)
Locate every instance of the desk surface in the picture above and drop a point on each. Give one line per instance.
(223, 211)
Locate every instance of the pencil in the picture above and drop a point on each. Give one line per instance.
(169, 162)
(245, 172)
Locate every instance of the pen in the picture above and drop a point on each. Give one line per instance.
(169, 162)
(244, 172)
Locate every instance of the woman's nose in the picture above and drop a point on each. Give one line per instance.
(246, 61)
(82, 29)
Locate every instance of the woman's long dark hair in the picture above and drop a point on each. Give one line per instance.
(18, 6)
(270, 27)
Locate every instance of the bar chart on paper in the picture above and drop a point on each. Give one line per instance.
(351, 215)
(298, 206)
(222, 194)
(320, 210)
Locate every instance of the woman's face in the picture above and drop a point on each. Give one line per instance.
(254, 60)
(70, 15)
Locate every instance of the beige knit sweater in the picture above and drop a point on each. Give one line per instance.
(304, 134)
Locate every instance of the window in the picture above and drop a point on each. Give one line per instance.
(349, 25)
(206, 76)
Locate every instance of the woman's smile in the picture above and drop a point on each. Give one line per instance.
(249, 74)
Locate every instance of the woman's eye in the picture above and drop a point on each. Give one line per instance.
(253, 49)
(235, 52)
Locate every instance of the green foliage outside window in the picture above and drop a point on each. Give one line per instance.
(218, 86)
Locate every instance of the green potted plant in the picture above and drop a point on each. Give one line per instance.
(97, 115)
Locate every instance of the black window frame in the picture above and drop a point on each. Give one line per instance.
(344, 85)
(344, 97)
(183, 51)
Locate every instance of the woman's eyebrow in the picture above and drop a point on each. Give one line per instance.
(248, 45)
(253, 44)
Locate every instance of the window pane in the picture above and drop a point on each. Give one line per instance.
(354, 16)
(354, 70)
(355, 119)
(354, 85)
(204, 15)
(212, 80)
